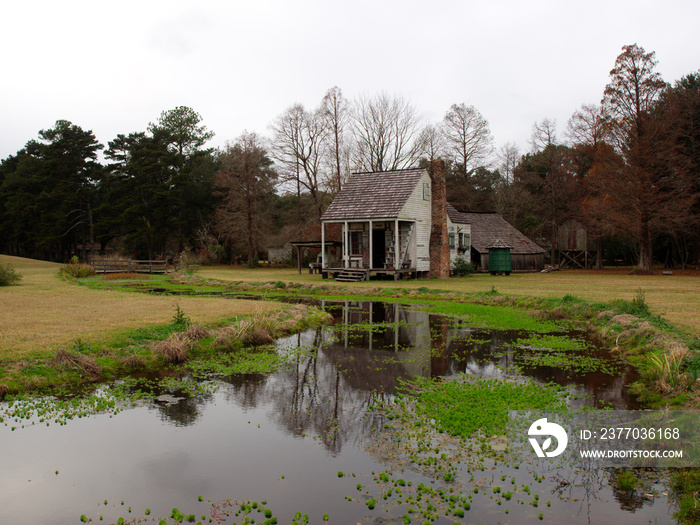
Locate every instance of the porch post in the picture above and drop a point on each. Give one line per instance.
(346, 248)
(323, 247)
(369, 265)
(396, 246)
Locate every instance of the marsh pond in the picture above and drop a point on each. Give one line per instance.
(312, 442)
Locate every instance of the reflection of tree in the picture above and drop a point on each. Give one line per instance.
(186, 410)
(247, 388)
(335, 374)
(313, 395)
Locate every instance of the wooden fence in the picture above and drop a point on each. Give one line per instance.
(129, 266)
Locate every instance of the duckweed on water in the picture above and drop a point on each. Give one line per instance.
(563, 353)
(494, 317)
(468, 407)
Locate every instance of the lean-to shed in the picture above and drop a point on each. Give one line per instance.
(487, 228)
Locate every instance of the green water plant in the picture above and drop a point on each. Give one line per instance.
(468, 407)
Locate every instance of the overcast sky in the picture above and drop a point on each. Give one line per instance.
(113, 67)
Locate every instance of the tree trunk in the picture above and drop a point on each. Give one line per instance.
(646, 261)
(249, 213)
(599, 254)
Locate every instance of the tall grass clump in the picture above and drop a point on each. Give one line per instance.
(670, 369)
(8, 275)
(76, 269)
(685, 487)
(175, 349)
(637, 306)
(84, 364)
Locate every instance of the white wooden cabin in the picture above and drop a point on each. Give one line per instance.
(385, 220)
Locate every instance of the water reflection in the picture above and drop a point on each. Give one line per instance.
(243, 440)
(329, 388)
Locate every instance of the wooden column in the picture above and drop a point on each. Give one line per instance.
(323, 246)
(371, 251)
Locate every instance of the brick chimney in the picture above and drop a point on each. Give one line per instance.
(439, 247)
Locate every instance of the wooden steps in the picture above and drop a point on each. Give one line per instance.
(352, 276)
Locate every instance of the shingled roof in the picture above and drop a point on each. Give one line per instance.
(373, 195)
(487, 228)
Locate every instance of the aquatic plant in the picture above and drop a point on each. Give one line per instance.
(626, 481)
(469, 407)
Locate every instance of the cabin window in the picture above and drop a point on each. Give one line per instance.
(355, 243)
(426, 191)
(452, 240)
(464, 241)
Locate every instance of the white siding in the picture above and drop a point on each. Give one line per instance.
(455, 229)
(418, 209)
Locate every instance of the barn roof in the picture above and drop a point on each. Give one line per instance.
(373, 195)
(455, 216)
(487, 228)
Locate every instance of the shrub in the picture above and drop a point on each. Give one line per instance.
(189, 262)
(179, 318)
(77, 270)
(8, 275)
(461, 267)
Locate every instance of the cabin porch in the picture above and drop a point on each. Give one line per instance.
(371, 249)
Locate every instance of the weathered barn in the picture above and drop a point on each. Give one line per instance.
(394, 223)
(487, 228)
(575, 246)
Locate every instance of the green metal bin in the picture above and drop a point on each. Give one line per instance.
(499, 258)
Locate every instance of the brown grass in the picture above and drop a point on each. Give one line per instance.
(86, 365)
(675, 297)
(196, 332)
(175, 349)
(132, 362)
(44, 313)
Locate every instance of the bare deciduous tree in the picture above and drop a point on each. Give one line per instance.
(334, 111)
(385, 131)
(509, 157)
(587, 126)
(298, 145)
(468, 138)
(588, 133)
(544, 133)
(432, 141)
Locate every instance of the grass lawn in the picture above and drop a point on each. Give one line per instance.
(675, 297)
(44, 313)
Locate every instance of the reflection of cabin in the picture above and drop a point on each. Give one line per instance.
(394, 224)
(488, 228)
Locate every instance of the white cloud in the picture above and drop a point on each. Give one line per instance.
(113, 67)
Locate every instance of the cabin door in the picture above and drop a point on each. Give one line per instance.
(378, 248)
